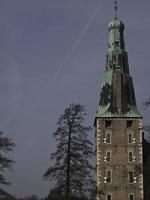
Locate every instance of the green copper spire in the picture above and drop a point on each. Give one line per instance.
(117, 98)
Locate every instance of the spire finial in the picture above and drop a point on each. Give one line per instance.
(116, 9)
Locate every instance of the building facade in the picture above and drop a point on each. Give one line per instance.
(118, 126)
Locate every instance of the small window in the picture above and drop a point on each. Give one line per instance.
(131, 177)
(107, 123)
(109, 177)
(130, 138)
(131, 197)
(108, 138)
(109, 197)
(108, 156)
(129, 123)
(130, 156)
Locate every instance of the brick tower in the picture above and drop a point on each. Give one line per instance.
(118, 126)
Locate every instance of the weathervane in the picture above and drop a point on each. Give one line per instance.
(116, 9)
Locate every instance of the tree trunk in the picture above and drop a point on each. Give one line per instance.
(68, 168)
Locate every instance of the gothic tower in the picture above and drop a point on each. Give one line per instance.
(118, 126)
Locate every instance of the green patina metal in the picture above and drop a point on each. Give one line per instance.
(117, 98)
(108, 76)
(116, 39)
(103, 112)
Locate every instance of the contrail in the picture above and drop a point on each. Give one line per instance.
(61, 66)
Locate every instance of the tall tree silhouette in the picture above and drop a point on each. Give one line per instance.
(6, 145)
(71, 167)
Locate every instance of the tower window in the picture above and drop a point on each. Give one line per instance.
(129, 123)
(130, 136)
(131, 177)
(107, 123)
(131, 140)
(107, 158)
(107, 138)
(109, 197)
(109, 176)
(130, 156)
(108, 155)
(131, 197)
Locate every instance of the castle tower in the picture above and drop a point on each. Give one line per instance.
(118, 126)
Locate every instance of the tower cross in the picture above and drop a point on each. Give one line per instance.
(116, 9)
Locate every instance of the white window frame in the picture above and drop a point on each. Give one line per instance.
(130, 155)
(130, 182)
(133, 158)
(134, 178)
(107, 140)
(131, 140)
(106, 156)
(109, 170)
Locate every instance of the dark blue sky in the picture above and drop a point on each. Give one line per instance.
(52, 53)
